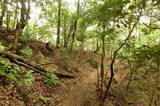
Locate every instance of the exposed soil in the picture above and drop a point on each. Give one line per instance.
(77, 95)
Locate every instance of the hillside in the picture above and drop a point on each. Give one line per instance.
(79, 53)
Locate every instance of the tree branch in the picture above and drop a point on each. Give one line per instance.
(151, 27)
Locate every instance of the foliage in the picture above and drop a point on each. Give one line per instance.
(9, 71)
(67, 60)
(51, 79)
(27, 79)
(2, 48)
(94, 63)
(44, 99)
(43, 59)
(12, 73)
(26, 52)
(145, 65)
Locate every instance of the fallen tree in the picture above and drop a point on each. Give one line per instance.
(23, 62)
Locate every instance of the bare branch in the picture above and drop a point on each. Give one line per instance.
(151, 27)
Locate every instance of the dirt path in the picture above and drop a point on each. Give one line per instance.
(79, 92)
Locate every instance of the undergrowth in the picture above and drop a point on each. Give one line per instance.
(9, 71)
(51, 79)
(67, 60)
(43, 59)
(26, 52)
(11, 74)
(94, 63)
(2, 48)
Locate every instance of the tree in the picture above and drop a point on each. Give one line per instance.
(59, 24)
(23, 22)
(3, 9)
(75, 24)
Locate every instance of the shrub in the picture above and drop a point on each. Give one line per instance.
(51, 79)
(42, 58)
(67, 60)
(8, 71)
(26, 52)
(11, 74)
(94, 63)
(27, 79)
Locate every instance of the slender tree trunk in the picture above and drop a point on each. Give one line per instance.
(23, 14)
(59, 24)
(69, 35)
(16, 37)
(113, 61)
(75, 25)
(102, 63)
(3, 8)
(28, 10)
(65, 33)
(8, 19)
(97, 48)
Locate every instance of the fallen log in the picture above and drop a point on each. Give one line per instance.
(23, 62)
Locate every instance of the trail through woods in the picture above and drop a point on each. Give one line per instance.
(79, 93)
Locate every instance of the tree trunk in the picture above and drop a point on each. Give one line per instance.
(3, 8)
(16, 37)
(65, 33)
(75, 26)
(102, 63)
(8, 19)
(23, 14)
(59, 24)
(113, 61)
(23, 21)
(97, 48)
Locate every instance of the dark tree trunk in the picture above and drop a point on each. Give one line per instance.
(75, 25)
(59, 24)
(8, 19)
(102, 63)
(65, 33)
(97, 48)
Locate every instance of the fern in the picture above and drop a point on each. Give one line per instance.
(44, 99)
(26, 52)
(51, 79)
(7, 71)
(27, 79)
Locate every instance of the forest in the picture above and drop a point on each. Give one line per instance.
(79, 52)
